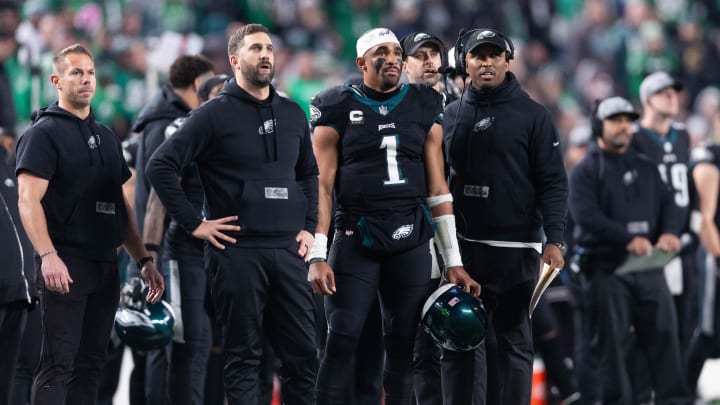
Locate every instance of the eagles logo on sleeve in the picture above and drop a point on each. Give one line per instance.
(315, 114)
(170, 129)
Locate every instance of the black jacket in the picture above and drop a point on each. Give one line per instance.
(17, 273)
(506, 169)
(152, 122)
(83, 162)
(614, 198)
(255, 160)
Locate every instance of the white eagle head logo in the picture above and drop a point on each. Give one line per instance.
(268, 127)
(483, 124)
(403, 231)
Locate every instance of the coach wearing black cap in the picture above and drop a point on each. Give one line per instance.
(510, 193)
(623, 209)
(424, 62)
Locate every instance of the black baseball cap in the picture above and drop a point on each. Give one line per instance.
(412, 42)
(487, 36)
(209, 84)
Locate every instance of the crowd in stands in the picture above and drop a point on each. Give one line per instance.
(570, 52)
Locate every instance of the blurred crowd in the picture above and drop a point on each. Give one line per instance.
(570, 52)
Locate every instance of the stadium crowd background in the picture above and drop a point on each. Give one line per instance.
(570, 52)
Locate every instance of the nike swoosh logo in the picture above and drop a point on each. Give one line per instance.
(556, 143)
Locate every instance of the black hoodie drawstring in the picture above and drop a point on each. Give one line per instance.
(469, 149)
(274, 133)
(96, 134)
(271, 152)
(263, 133)
(81, 133)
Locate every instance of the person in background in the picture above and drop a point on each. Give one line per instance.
(622, 208)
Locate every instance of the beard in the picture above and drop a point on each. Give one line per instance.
(252, 74)
(431, 81)
(388, 83)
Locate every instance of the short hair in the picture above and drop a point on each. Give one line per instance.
(186, 68)
(237, 38)
(59, 57)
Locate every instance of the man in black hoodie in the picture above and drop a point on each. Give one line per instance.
(176, 374)
(510, 190)
(174, 100)
(254, 156)
(70, 172)
(623, 209)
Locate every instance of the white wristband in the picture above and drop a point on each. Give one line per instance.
(446, 238)
(319, 247)
(438, 199)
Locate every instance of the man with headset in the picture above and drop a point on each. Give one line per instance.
(622, 208)
(510, 190)
(423, 60)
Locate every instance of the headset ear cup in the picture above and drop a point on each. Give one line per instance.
(458, 54)
(509, 55)
(597, 128)
(596, 124)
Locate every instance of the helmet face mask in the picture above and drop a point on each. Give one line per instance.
(455, 319)
(143, 326)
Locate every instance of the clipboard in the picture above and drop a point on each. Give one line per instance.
(657, 259)
(546, 277)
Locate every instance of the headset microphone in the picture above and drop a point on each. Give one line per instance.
(447, 70)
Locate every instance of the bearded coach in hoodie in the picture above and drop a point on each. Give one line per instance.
(510, 190)
(253, 152)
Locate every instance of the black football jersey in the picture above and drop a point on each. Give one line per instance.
(381, 164)
(708, 153)
(671, 154)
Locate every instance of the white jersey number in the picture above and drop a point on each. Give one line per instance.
(678, 181)
(390, 144)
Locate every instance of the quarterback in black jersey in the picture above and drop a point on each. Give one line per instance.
(378, 147)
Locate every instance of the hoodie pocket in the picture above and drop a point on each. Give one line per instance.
(271, 207)
(97, 219)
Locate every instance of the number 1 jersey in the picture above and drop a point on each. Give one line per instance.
(380, 151)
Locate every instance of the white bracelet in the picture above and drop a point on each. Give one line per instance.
(319, 247)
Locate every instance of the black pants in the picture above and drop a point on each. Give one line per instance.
(28, 358)
(706, 342)
(12, 324)
(506, 296)
(426, 363)
(617, 303)
(401, 281)
(548, 341)
(260, 294)
(76, 330)
(188, 361)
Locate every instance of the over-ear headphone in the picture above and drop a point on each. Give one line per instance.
(461, 47)
(596, 124)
